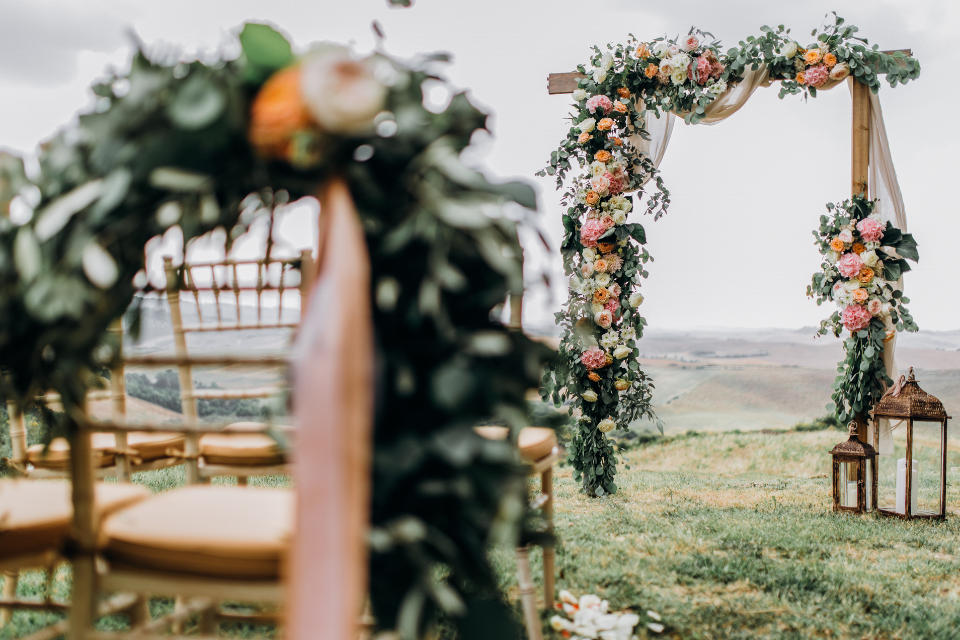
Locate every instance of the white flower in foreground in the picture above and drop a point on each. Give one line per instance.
(789, 49)
(870, 258)
(609, 339)
(622, 351)
(586, 126)
(636, 300)
(628, 334)
(579, 95)
(606, 61)
(566, 596)
(589, 254)
(620, 217)
(599, 75)
(589, 395)
(678, 76)
(597, 168)
(605, 426)
(559, 624)
(603, 279)
(342, 94)
(717, 87)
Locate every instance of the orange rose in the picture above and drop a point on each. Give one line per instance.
(865, 275)
(600, 265)
(592, 197)
(584, 137)
(617, 142)
(812, 56)
(600, 295)
(860, 295)
(800, 79)
(651, 70)
(858, 248)
(837, 245)
(608, 358)
(623, 92)
(594, 376)
(605, 247)
(642, 52)
(830, 60)
(605, 125)
(619, 107)
(602, 156)
(277, 113)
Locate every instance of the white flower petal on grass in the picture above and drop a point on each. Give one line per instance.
(656, 627)
(653, 615)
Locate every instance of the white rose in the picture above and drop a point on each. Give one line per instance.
(599, 75)
(579, 95)
(587, 125)
(606, 61)
(605, 426)
(589, 254)
(660, 48)
(789, 49)
(596, 307)
(851, 285)
(870, 258)
(603, 279)
(597, 168)
(673, 50)
(620, 217)
(840, 71)
(342, 94)
(589, 395)
(636, 300)
(622, 351)
(832, 257)
(679, 76)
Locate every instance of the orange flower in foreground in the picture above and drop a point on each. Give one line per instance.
(600, 295)
(608, 358)
(600, 266)
(619, 107)
(812, 56)
(277, 113)
(642, 52)
(617, 142)
(594, 376)
(584, 137)
(605, 247)
(865, 275)
(623, 92)
(592, 197)
(651, 70)
(602, 156)
(801, 79)
(858, 248)
(830, 60)
(860, 295)
(605, 125)
(837, 245)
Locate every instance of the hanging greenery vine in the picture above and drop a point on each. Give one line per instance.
(215, 144)
(604, 256)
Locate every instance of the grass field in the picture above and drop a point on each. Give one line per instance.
(728, 535)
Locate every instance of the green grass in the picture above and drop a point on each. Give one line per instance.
(728, 535)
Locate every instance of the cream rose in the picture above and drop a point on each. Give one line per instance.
(589, 395)
(621, 384)
(870, 258)
(840, 71)
(587, 125)
(599, 75)
(603, 279)
(589, 254)
(579, 95)
(789, 49)
(678, 76)
(622, 351)
(636, 300)
(606, 61)
(607, 425)
(620, 217)
(342, 94)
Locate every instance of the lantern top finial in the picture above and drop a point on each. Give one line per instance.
(910, 375)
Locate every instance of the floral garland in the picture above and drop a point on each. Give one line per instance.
(863, 258)
(604, 257)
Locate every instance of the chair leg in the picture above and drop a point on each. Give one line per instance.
(528, 595)
(546, 489)
(10, 580)
(241, 481)
(209, 621)
(82, 597)
(139, 613)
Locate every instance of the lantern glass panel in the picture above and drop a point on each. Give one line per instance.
(848, 484)
(887, 471)
(927, 452)
(868, 482)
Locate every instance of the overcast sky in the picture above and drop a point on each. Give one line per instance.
(736, 248)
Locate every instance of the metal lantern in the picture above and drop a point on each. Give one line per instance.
(920, 436)
(854, 475)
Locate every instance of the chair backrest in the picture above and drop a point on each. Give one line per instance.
(227, 282)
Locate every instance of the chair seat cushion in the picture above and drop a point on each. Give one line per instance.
(204, 530)
(242, 449)
(147, 446)
(35, 515)
(535, 443)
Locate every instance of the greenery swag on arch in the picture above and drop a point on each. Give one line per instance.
(597, 370)
(220, 143)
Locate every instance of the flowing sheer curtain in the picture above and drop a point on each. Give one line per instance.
(882, 178)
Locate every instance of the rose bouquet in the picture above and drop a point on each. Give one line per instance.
(863, 260)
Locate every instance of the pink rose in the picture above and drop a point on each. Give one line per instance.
(875, 307)
(586, 269)
(855, 317)
(593, 358)
(849, 265)
(846, 236)
(600, 184)
(690, 43)
(612, 305)
(607, 222)
(816, 76)
(614, 289)
(615, 182)
(601, 102)
(591, 231)
(871, 230)
(604, 319)
(703, 70)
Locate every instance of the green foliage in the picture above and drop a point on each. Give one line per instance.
(822, 423)
(443, 255)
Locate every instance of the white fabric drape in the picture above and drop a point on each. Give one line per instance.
(882, 180)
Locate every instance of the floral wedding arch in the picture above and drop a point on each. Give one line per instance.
(626, 102)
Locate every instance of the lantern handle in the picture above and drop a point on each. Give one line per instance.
(852, 429)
